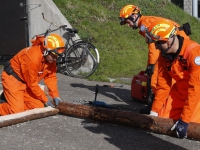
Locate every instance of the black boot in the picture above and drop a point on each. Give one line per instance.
(145, 110)
(2, 98)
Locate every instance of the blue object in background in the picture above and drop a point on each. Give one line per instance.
(98, 103)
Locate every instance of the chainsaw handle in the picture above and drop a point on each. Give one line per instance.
(96, 91)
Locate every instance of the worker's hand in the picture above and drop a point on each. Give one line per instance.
(181, 128)
(153, 113)
(148, 39)
(49, 103)
(53, 103)
(57, 100)
(150, 69)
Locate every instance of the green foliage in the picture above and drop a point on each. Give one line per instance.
(123, 52)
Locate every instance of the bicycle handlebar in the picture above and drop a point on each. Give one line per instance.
(70, 30)
(64, 27)
(49, 21)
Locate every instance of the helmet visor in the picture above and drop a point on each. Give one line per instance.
(59, 51)
(122, 20)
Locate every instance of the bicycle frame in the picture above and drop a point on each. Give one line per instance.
(83, 52)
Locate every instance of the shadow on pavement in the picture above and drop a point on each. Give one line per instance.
(116, 94)
(128, 138)
(123, 137)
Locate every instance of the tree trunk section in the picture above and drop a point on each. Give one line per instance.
(129, 118)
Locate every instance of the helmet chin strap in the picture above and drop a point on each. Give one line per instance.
(45, 43)
(164, 51)
(45, 53)
(135, 21)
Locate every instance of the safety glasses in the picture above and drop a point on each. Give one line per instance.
(122, 20)
(160, 42)
(59, 51)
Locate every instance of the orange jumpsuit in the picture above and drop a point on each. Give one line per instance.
(30, 66)
(179, 99)
(153, 54)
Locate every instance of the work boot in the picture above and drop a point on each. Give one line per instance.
(2, 98)
(145, 110)
(2, 101)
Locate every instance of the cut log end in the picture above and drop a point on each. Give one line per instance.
(36, 113)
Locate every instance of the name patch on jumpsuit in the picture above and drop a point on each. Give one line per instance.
(142, 28)
(197, 60)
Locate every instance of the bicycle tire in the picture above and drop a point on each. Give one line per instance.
(81, 60)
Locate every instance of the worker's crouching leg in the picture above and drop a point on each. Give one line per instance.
(13, 92)
(154, 78)
(31, 101)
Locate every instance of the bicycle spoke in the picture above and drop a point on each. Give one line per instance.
(81, 60)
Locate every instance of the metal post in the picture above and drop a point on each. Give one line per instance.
(195, 8)
(27, 27)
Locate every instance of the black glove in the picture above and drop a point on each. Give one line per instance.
(150, 69)
(150, 99)
(181, 128)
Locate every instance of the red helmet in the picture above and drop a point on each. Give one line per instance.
(127, 11)
(162, 30)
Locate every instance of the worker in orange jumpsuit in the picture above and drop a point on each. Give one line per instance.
(26, 69)
(177, 91)
(130, 14)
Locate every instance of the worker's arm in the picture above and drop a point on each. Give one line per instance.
(163, 86)
(31, 77)
(50, 80)
(193, 62)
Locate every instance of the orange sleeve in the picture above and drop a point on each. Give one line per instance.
(194, 84)
(143, 24)
(154, 78)
(51, 81)
(163, 86)
(153, 53)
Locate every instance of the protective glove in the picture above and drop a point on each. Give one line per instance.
(153, 113)
(57, 100)
(150, 69)
(49, 103)
(181, 128)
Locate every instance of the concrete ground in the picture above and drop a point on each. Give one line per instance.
(60, 132)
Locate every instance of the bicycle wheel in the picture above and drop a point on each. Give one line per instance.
(81, 60)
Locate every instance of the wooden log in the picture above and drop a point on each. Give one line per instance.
(130, 118)
(32, 114)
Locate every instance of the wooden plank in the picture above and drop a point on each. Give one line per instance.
(28, 115)
(129, 118)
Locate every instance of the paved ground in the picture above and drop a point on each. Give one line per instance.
(68, 133)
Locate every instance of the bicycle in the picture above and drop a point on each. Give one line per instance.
(81, 58)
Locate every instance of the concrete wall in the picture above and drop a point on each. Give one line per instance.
(36, 23)
(191, 7)
(188, 6)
